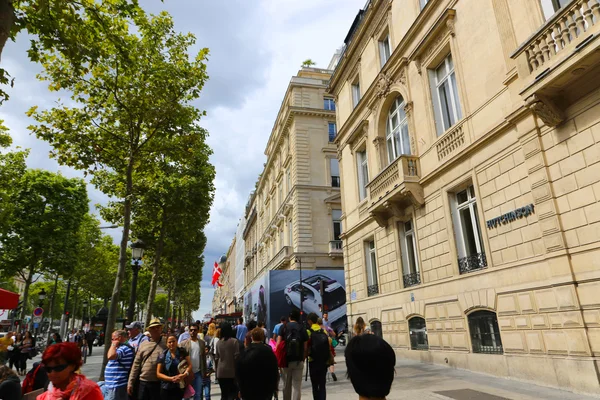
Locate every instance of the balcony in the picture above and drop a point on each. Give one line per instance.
(411, 279)
(281, 258)
(372, 290)
(473, 262)
(560, 63)
(395, 188)
(335, 248)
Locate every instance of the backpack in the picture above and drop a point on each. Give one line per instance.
(294, 348)
(319, 346)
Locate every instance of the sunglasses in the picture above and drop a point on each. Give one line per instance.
(56, 368)
(193, 330)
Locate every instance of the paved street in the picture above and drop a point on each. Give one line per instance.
(414, 380)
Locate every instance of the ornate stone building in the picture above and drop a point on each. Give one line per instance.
(469, 149)
(224, 299)
(295, 211)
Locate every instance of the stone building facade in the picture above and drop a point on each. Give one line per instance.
(469, 148)
(295, 212)
(224, 298)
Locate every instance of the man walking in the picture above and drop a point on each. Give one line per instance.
(319, 353)
(196, 348)
(296, 338)
(136, 338)
(241, 330)
(144, 365)
(90, 336)
(120, 359)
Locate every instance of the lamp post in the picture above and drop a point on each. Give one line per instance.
(85, 311)
(137, 251)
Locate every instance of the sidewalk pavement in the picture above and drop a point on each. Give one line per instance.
(416, 380)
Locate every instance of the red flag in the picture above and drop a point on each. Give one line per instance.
(217, 271)
(219, 283)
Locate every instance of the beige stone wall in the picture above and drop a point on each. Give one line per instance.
(542, 277)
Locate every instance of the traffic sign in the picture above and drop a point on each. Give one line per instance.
(37, 320)
(36, 325)
(38, 312)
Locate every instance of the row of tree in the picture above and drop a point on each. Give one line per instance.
(131, 126)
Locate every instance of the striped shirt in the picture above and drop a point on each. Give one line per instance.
(117, 371)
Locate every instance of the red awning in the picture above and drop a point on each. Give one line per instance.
(8, 300)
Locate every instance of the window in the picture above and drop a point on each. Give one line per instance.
(397, 131)
(372, 279)
(334, 167)
(385, 49)
(329, 104)
(290, 234)
(281, 244)
(410, 269)
(280, 194)
(418, 334)
(332, 131)
(550, 7)
(471, 255)
(445, 95)
(336, 216)
(363, 173)
(288, 178)
(355, 93)
(423, 3)
(485, 334)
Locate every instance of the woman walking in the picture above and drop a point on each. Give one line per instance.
(62, 361)
(169, 370)
(226, 355)
(26, 347)
(360, 328)
(14, 356)
(213, 350)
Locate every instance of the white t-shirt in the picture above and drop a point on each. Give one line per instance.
(195, 355)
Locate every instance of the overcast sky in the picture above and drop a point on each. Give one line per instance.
(255, 48)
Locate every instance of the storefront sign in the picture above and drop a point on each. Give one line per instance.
(510, 216)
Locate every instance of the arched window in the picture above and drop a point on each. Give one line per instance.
(397, 139)
(418, 334)
(376, 328)
(485, 334)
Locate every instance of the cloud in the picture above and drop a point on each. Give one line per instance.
(255, 48)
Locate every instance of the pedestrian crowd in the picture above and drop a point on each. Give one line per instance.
(248, 363)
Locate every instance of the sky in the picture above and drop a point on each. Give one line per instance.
(256, 46)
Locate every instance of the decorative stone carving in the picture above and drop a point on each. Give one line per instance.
(418, 65)
(545, 109)
(402, 77)
(383, 86)
(450, 25)
(377, 142)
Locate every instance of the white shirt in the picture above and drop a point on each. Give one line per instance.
(195, 355)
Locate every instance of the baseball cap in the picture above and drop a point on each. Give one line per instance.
(133, 325)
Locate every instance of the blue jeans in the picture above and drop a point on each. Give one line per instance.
(198, 387)
(119, 393)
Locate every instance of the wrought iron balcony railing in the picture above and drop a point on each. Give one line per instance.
(372, 290)
(474, 262)
(412, 279)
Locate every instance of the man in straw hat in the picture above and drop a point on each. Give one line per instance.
(143, 383)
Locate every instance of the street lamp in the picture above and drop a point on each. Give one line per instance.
(137, 252)
(42, 297)
(85, 307)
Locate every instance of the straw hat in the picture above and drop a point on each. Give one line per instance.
(154, 322)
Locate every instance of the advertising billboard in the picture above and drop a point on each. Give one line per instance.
(321, 291)
(256, 301)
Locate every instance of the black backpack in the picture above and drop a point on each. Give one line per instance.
(319, 346)
(294, 345)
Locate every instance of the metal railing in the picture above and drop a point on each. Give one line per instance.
(474, 262)
(412, 279)
(372, 290)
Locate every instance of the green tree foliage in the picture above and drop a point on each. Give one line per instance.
(41, 233)
(132, 102)
(308, 63)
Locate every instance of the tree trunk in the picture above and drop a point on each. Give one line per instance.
(26, 292)
(168, 308)
(114, 300)
(74, 308)
(155, 266)
(52, 307)
(7, 21)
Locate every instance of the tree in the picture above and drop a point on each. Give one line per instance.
(57, 25)
(133, 99)
(308, 63)
(42, 226)
(12, 168)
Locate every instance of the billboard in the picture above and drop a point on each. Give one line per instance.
(256, 301)
(321, 291)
